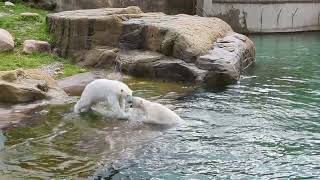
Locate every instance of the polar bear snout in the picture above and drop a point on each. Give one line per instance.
(129, 101)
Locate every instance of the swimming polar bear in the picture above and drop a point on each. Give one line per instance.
(114, 93)
(155, 113)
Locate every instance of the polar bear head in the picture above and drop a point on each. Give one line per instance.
(137, 102)
(126, 93)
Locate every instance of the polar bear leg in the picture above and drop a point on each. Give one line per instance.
(122, 103)
(82, 106)
(117, 109)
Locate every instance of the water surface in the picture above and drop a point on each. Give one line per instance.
(266, 126)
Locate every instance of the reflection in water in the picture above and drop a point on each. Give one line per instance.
(266, 126)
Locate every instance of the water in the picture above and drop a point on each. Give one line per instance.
(267, 126)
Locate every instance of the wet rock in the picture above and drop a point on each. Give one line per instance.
(35, 46)
(228, 58)
(74, 85)
(23, 86)
(6, 41)
(8, 3)
(155, 65)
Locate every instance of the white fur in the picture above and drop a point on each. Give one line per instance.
(156, 113)
(114, 93)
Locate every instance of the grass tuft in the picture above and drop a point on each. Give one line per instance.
(23, 29)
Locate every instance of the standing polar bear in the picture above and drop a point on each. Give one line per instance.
(155, 113)
(114, 93)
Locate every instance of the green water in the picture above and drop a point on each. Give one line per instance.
(267, 126)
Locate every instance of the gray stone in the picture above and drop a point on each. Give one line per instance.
(228, 58)
(35, 46)
(8, 3)
(74, 85)
(6, 41)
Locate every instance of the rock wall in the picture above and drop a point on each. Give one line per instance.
(264, 16)
(166, 6)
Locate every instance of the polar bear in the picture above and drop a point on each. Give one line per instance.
(155, 113)
(114, 93)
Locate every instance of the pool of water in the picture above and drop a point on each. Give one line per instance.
(266, 126)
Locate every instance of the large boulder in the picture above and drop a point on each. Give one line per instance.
(177, 48)
(23, 86)
(35, 46)
(74, 85)
(6, 41)
(182, 36)
(226, 61)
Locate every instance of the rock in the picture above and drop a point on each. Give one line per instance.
(8, 3)
(80, 30)
(74, 85)
(13, 93)
(228, 58)
(6, 41)
(177, 48)
(23, 86)
(29, 16)
(3, 14)
(102, 57)
(157, 66)
(182, 36)
(35, 46)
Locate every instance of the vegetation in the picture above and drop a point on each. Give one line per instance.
(28, 28)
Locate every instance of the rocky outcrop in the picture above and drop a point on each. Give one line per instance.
(23, 86)
(74, 85)
(6, 41)
(35, 46)
(228, 58)
(177, 48)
